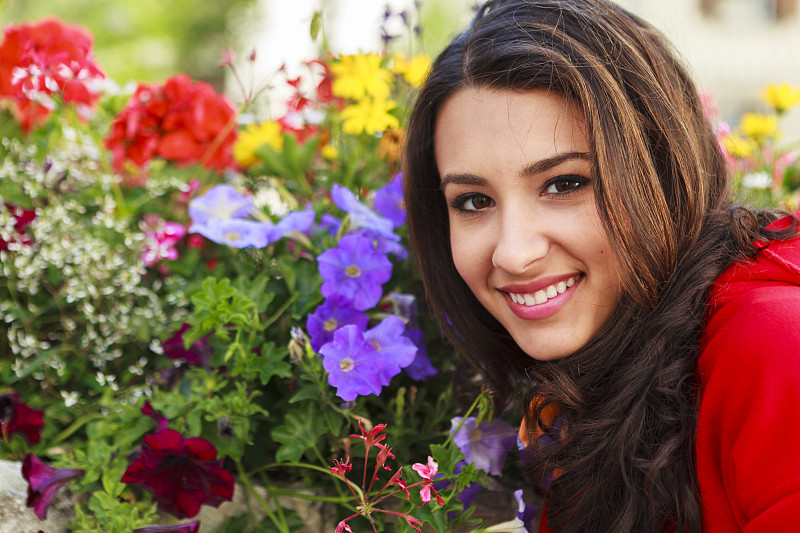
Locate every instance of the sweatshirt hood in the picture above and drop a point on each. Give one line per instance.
(776, 263)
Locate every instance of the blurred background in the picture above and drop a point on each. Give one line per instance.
(734, 47)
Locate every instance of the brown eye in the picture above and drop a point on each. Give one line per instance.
(565, 185)
(476, 202)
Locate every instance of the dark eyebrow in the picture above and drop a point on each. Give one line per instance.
(538, 167)
(546, 164)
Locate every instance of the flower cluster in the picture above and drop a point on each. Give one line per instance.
(45, 60)
(202, 299)
(180, 120)
(764, 171)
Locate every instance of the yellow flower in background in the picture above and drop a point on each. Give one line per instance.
(391, 145)
(356, 76)
(781, 97)
(413, 70)
(370, 116)
(253, 137)
(738, 146)
(329, 152)
(759, 126)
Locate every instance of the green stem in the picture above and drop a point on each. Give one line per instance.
(75, 426)
(280, 525)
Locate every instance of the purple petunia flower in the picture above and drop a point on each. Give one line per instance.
(199, 353)
(397, 350)
(220, 201)
(362, 216)
(330, 223)
(236, 232)
(485, 446)
(405, 305)
(188, 527)
(330, 316)
(355, 271)
(525, 513)
(421, 367)
(389, 201)
(43, 483)
(300, 221)
(354, 366)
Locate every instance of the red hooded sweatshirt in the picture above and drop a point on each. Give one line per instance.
(748, 426)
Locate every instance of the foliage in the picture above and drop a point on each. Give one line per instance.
(195, 293)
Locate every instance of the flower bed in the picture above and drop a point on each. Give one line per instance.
(198, 297)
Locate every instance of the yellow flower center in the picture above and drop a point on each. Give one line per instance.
(347, 364)
(331, 325)
(352, 271)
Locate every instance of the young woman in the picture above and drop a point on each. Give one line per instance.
(569, 210)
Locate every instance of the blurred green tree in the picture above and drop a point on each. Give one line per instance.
(145, 40)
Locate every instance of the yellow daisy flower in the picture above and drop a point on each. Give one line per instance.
(781, 97)
(413, 70)
(253, 137)
(370, 116)
(358, 75)
(738, 146)
(759, 126)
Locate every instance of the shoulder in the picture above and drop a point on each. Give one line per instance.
(755, 327)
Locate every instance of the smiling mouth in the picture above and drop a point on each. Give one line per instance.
(541, 296)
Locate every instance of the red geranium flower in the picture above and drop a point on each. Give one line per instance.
(47, 57)
(22, 219)
(43, 482)
(182, 121)
(183, 474)
(18, 417)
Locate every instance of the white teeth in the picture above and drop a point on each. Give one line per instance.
(541, 296)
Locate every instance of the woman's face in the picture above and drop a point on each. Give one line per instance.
(525, 233)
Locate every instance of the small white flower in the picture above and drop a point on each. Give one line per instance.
(757, 180)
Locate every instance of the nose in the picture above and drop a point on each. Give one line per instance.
(520, 243)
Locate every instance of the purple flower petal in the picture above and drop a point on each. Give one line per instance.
(355, 271)
(236, 232)
(397, 350)
(220, 201)
(485, 446)
(389, 201)
(330, 316)
(43, 483)
(354, 366)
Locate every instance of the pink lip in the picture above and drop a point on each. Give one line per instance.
(543, 310)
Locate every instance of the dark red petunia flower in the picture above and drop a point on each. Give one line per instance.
(161, 421)
(43, 483)
(182, 120)
(199, 353)
(188, 527)
(183, 474)
(16, 417)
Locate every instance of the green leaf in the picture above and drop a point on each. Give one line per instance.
(316, 25)
(300, 431)
(273, 363)
(111, 477)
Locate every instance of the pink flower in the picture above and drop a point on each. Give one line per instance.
(183, 474)
(22, 219)
(43, 483)
(161, 237)
(370, 437)
(427, 473)
(340, 468)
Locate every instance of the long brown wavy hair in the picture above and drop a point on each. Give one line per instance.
(629, 397)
